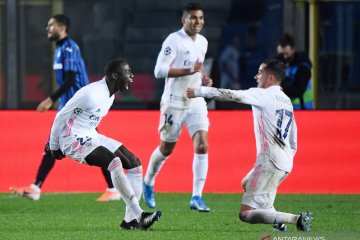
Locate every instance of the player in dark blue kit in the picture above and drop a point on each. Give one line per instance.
(68, 65)
(70, 75)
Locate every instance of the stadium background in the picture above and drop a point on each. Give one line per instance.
(134, 29)
(327, 161)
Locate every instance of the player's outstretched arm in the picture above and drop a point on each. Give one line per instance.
(216, 93)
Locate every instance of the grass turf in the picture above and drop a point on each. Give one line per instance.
(79, 216)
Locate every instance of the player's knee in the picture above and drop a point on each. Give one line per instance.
(166, 151)
(243, 216)
(201, 148)
(134, 163)
(115, 164)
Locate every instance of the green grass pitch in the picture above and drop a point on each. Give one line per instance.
(79, 216)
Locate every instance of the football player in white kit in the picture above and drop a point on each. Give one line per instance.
(276, 143)
(180, 62)
(74, 134)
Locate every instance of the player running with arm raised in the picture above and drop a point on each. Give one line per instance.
(180, 62)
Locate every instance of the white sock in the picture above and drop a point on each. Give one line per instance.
(134, 177)
(35, 188)
(113, 190)
(200, 168)
(288, 217)
(267, 216)
(123, 186)
(157, 160)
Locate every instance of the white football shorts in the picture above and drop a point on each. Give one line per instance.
(261, 185)
(78, 147)
(172, 119)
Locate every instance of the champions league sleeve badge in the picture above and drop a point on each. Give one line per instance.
(167, 51)
(77, 111)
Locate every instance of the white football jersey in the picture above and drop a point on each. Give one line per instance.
(179, 50)
(82, 113)
(274, 121)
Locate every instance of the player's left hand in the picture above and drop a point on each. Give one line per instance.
(190, 92)
(57, 154)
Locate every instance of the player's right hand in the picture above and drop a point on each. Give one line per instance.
(206, 81)
(57, 154)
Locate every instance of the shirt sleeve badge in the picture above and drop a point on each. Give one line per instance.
(167, 51)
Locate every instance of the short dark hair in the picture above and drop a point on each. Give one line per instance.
(286, 40)
(61, 19)
(114, 66)
(275, 67)
(191, 7)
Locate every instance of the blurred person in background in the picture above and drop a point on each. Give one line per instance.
(229, 64)
(297, 84)
(70, 73)
(180, 62)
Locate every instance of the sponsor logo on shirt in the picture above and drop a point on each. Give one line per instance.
(94, 117)
(57, 66)
(187, 52)
(188, 63)
(94, 120)
(69, 49)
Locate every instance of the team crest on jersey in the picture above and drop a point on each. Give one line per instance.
(77, 111)
(167, 51)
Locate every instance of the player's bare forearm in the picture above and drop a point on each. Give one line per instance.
(181, 72)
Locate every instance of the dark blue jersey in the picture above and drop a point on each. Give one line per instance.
(67, 57)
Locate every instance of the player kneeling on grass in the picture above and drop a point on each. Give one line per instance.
(276, 143)
(74, 134)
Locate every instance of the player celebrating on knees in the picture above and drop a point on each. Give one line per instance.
(180, 62)
(276, 143)
(74, 134)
